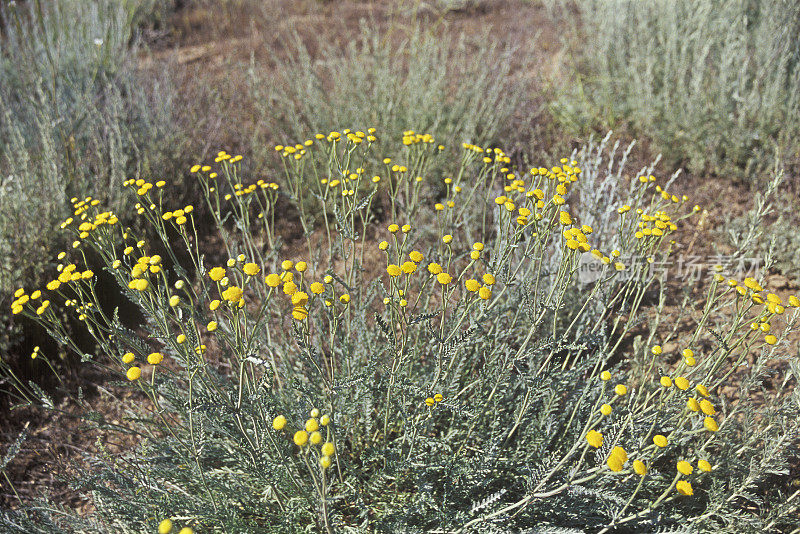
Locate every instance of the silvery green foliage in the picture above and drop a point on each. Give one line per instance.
(714, 81)
(75, 116)
(462, 87)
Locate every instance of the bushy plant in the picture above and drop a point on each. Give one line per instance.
(76, 116)
(713, 82)
(406, 77)
(485, 361)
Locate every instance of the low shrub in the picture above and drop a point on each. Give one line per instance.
(485, 362)
(716, 84)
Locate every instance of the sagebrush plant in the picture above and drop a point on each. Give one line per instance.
(406, 76)
(464, 365)
(713, 82)
(73, 117)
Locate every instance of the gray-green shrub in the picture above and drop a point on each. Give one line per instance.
(713, 82)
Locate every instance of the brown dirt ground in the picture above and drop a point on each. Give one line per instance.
(206, 47)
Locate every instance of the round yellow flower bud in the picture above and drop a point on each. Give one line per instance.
(279, 422)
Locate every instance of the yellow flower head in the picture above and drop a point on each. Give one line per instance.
(300, 438)
(666, 381)
(444, 278)
(639, 467)
(704, 465)
(685, 468)
(605, 376)
(693, 405)
(393, 270)
(165, 527)
(155, 358)
(216, 274)
(472, 285)
(660, 440)
(605, 409)
(707, 407)
(684, 488)
(328, 449)
(710, 424)
(251, 269)
(133, 373)
(620, 389)
(232, 294)
(272, 280)
(434, 268)
(682, 383)
(594, 438)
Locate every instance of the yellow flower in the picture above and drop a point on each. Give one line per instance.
(703, 465)
(216, 274)
(301, 266)
(140, 285)
(477, 246)
(279, 422)
(232, 294)
(684, 488)
(325, 462)
(770, 339)
(315, 438)
(702, 390)
(682, 383)
(685, 468)
(406, 228)
(434, 268)
(299, 313)
(300, 438)
(128, 357)
(415, 256)
(383, 245)
(472, 285)
(444, 278)
(344, 299)
(620, 453)
(446, 239)
(690, 361)
(155, 358)
(174, 300)
(666, 381)
(408, 267)
(488, 279)
(615, 463)
(165, 527)
(211, 326)
(707, 407)
(312, 425)
(213, 305)
(639, 467)
(328, 449)
(656, 350)
(287, 264)
(393, 228)
(429, 401)
(485, 293)
(605, 376)
(272, 280)
(594, 438)
(133, 373)
(660, 441)
(251, 269)
(325, 420)
(317, 288)
(393, 270)
(186, 530)
(605, 409)
(565, 218)
(620, 389)
(693, 405)
(710, 424)
(300, 298)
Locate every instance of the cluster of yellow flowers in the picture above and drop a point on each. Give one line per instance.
(618, 457)
(310, 434)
